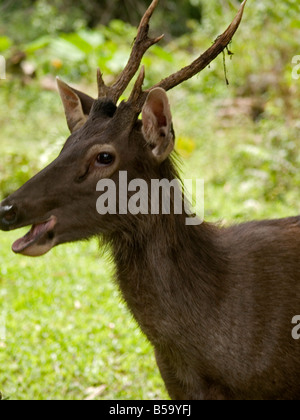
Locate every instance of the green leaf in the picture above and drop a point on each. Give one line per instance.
(38, 44)
(77, 41)
(5, 43)
(118, 62)
(65, 50)
(93, 38)
(295, 24)
(162, 54)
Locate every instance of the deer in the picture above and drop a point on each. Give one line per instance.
(215, 302)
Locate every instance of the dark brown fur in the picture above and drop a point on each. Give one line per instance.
(217, 304)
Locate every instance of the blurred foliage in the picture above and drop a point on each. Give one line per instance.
(46, 17)
(243, 139)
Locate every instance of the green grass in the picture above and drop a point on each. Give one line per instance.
(67, 331)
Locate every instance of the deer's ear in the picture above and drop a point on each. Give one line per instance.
(157, 124)
(77, 105)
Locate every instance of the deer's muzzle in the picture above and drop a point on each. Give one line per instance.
(39, 240)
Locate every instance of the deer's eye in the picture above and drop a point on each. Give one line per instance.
(105, 159)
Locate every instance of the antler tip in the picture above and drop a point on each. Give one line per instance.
(141, 77)
(159, 38)
(242, 7)
(236, 22)
(137, 90)
(99, 75)
(154, 3)
(143, 72)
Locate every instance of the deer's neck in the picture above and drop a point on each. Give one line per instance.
(164, 267)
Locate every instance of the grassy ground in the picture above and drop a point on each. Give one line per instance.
(64, 332)
(67, 332)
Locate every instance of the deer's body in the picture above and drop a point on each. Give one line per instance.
(217, 304)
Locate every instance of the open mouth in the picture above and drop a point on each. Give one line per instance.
(38, 241)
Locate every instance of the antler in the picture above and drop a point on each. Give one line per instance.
(141, 44)
(205, 59)
(138, 97)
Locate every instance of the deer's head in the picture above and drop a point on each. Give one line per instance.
(106, 138)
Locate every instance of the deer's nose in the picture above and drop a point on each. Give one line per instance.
(8, 217)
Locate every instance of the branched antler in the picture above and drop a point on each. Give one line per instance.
(206, 58)
(141, 44)
(197, 66)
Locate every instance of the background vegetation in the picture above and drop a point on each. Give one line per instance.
(64, 332)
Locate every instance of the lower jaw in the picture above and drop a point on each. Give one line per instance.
(35, 250)
(38, 241)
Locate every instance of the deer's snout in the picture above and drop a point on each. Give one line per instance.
(8, 217)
